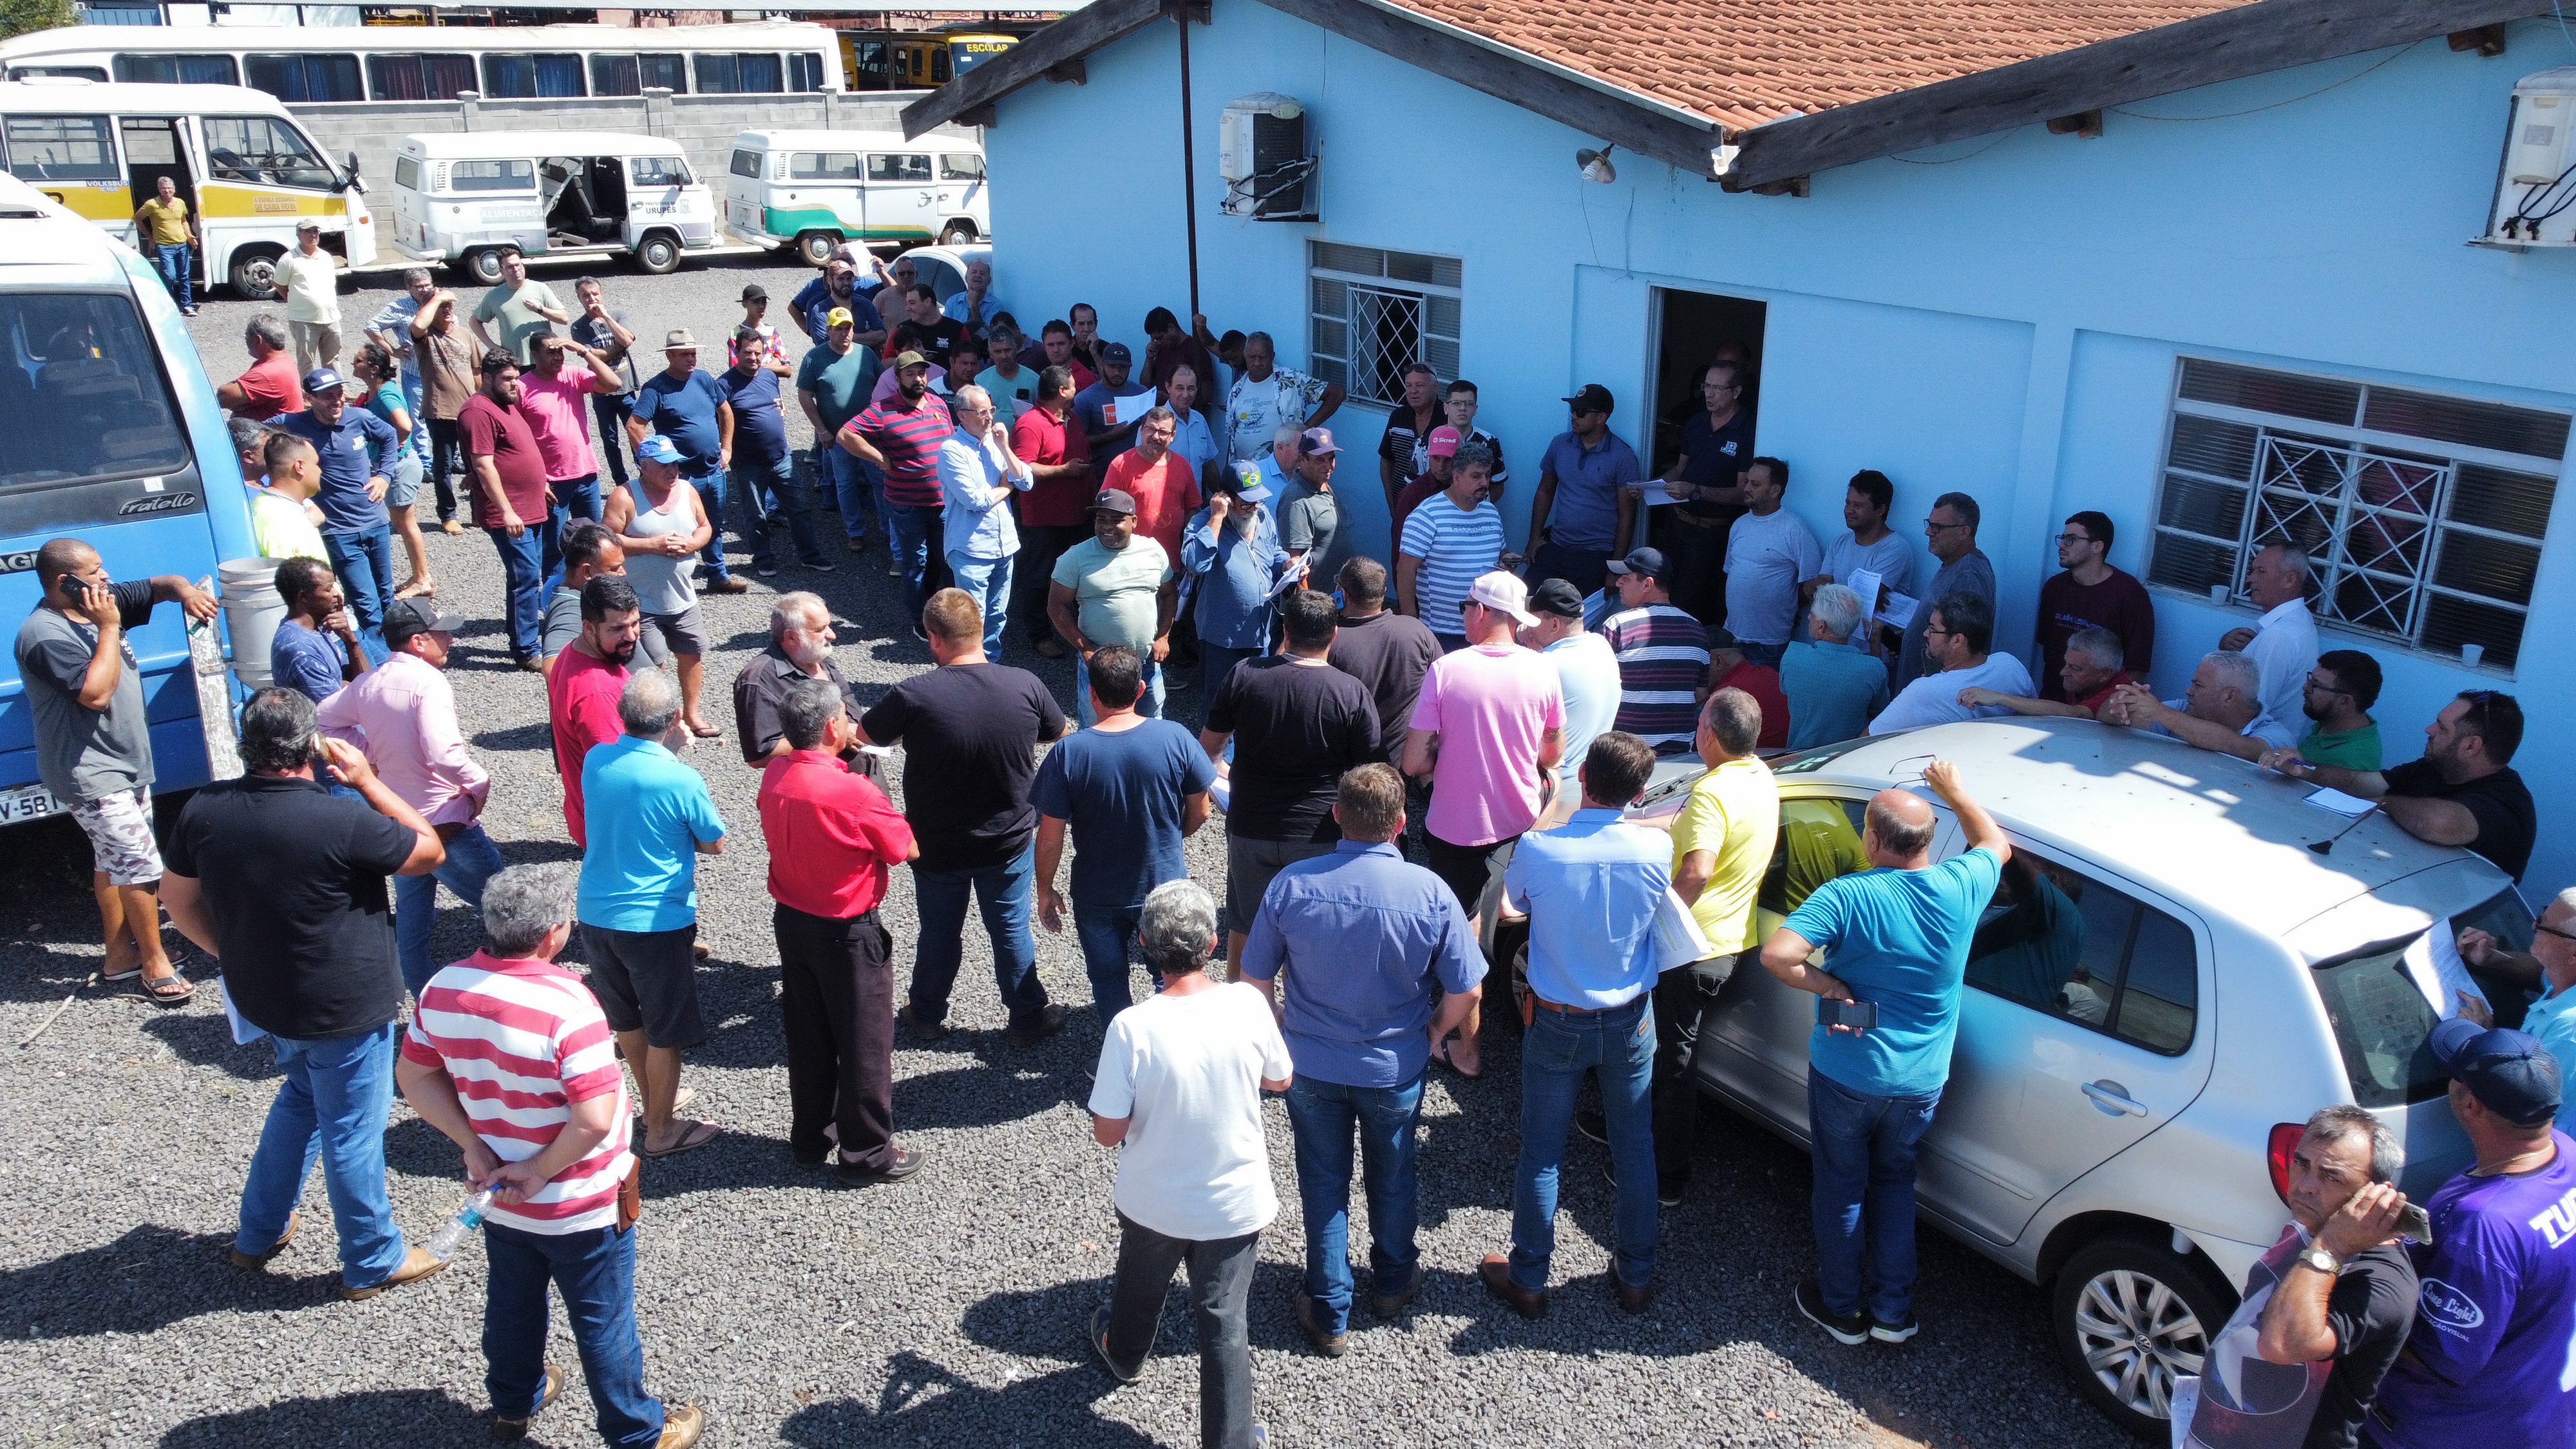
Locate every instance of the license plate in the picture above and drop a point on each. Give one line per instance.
(27, 802)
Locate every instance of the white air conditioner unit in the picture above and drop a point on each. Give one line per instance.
(2535, 196)
(1262, 157)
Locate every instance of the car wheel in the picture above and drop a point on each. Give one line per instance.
(254, 274)
(483, 264)
(817, 247)
(658, 254)
(957, 233)
(2130, 1316)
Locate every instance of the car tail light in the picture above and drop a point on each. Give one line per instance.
(2285, 1140)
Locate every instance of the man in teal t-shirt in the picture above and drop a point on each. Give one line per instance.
(2337, 698)
(1896, 938)
(832, 385)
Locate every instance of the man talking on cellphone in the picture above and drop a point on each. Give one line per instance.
(1876, 1061)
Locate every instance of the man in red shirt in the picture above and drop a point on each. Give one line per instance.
(1055, 514)
(1729, 669)
(1158, 479)
(2092, 670)
(589, 675)
(268, 387)
(832, 838)
(510, 500)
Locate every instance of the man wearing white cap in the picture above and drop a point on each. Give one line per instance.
(308, 282)
(1487, 729)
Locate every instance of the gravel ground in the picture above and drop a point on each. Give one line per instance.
(945, 1309)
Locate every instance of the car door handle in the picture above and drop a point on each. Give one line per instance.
(2113, 1100)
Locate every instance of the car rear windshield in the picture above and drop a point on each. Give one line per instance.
(2382, 1022)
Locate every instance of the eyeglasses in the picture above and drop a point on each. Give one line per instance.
(2553, 931)
(1465, 604)
(2074, 538)
(2323, 688)
(1931, 527)
(1931, 629)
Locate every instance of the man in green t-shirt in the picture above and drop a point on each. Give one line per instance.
(1116, 588)
(525, 310)
(833, 385)
(2339, 693)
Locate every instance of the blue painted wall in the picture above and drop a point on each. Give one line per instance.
(2000, 315)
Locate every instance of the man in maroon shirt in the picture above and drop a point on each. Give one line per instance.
(511, 501)
(1055, 514)
(1729, 669)
(900, 437)
(2091, 595)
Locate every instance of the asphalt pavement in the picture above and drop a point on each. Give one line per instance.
(946, 1309)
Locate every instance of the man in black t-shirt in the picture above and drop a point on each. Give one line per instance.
(284, 883)
(970, 730)
(924, 329)
(2463, 792)
(1298, 724)
(1385, 651)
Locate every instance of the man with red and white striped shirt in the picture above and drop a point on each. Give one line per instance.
(511, 1057)
(901, 437)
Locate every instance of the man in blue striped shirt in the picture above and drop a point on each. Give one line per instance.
(1663, 654)
(1449, 542)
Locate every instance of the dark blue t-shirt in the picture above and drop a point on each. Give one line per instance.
(685, 413)
(1123, 793)
(813, 303)
(346, 466)
(307, 661)
(759, 429)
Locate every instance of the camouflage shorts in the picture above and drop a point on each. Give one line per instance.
(119, 828)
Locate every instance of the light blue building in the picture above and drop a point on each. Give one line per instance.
(2214, 279)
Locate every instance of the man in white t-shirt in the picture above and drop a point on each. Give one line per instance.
(1770, 552)
(308, 282)
(1179, 1087)
(1957, 636)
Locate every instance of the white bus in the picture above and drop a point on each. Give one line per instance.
(250, 172)
(353, 65)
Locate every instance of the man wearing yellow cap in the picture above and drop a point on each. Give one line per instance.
(832, 385)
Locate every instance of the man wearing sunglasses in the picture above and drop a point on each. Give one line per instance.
(1589, 470)
(2463, 792)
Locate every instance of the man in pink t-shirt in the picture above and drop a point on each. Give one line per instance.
(555, 400)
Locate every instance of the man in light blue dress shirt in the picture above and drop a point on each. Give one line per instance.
(978, 472)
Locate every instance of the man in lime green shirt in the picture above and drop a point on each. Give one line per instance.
(2339, 693)
(279, 523)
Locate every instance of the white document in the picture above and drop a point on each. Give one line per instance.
(2351, 807)
(1289, 578)
(1651, 494)
(1898, 611)
(1678, 938)
(1222, 794)
(2434, 963)
(1866, 583)
(243, 1032)
(1120, 411)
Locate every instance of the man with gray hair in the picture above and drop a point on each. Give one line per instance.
(978, 473)
(1950, 532)
(2283, 642)
(2219, 710)
(271, 384)
(647, 818)
(1179, 1090)
(390, 329)
(2090, 670)
(2327, 1308)
(1958, 638)
(799, 648)
(1832, 685)
(284, 883)
(833, 840)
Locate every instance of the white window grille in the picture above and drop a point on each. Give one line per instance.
(1377, 312)
(2423, 516)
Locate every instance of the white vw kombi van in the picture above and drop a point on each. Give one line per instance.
(818, 189)
(458, 198)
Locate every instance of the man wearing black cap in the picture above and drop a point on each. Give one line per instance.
(1115, 587)
(1092, 407)
(1593, 469)
(2487, 1362)
(1662, 653)
(356, 530)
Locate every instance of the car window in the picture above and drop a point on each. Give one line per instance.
(264, 151)
(658, 170)
(82, 396)
(2381, 1020)
(1819, 840)
(2060, 942)
(823, 166)
(898, 168)
(961, 166)
(747, 164)
(493, 176)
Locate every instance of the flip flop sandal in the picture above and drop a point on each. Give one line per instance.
(689, 1141)
(115, 977)
(706, 732)
(1440, 1054)
(171, 990)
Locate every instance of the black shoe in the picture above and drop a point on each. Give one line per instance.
(819, 566)
(1098, 1337)
(1389, 1305)
(1847, 1328)
(765, 570)
(1330, 1345)
(1664, 1196)
(1593, 1124)
(920, 1030)
(905, 1162)
(816, 1158)
(1897, 1332)
(1050, 1021)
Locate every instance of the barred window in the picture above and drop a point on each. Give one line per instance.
(2422, 515)
(1375, 312)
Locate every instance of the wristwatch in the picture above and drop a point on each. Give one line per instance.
(2321, 1260)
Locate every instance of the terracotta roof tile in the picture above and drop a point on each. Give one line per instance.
(1743, 62)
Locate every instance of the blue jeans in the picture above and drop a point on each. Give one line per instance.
(332, 1105)
(778, 477)
(1766, 655)
(911, 532)
(1149, 704)
(365, 564)
(412, 394)
(1107, 934)
(1321, 1115)
(853, 485)
(1003, 893)
(175, 270)
(1864, 1152)
(1618, 1046)
(472, 859)
(711, 490)
(596, 1272)
(523, 563)
(612, 410)
(988, 582)
(575, 498)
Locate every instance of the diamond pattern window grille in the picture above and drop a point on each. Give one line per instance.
(1375, 312)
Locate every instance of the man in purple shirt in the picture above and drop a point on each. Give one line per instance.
(2490, 1361)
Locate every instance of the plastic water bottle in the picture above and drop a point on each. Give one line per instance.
(451, 1234)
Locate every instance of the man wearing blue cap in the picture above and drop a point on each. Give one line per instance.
(2487, 1363)
(357, 533)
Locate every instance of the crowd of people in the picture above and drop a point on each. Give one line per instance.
(1380, 735)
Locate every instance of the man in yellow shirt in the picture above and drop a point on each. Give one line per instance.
(168, 234)
(1722, 843)
(278, 522)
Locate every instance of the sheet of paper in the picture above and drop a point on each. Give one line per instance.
(243, 1032)
(2351, 807)
(2434, 963)
(1652, 495)
(1289, 578)
(1866, 583)
(1222, 792)
(1120, 411)
(1678, 938)
(1898, 611)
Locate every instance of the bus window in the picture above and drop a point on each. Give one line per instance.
(68, 72)
(658, 171)
(615, 75)
(492, 176)
(898, 168)
(62, 148)
(939, 65)
(420, 77)
(525, 77)
(669, 70)
(961, 166)
(264, 152)
(804, 72)
(742, 73)
(303, 78)
(81, 393)
(185, 70)
(823, 166)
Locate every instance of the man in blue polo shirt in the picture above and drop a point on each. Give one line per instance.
(1364, 935)
(1583, 514)
(356, 531)
(759, 457)
(689, 408)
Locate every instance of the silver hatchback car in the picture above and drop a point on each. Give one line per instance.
(2171, 978)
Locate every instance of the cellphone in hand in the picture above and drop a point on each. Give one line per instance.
(2415, 1224)
(1857, 1015)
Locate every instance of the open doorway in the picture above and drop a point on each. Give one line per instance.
(1694, 330)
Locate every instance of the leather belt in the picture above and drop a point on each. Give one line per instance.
(1544, 1004)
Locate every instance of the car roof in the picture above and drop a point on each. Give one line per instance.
(854, 141)
(2216, 831)
(35, 231)
(488, 145)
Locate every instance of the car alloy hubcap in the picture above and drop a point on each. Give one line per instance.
(2137, 1336)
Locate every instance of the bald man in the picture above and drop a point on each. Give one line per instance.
(1898, 935)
